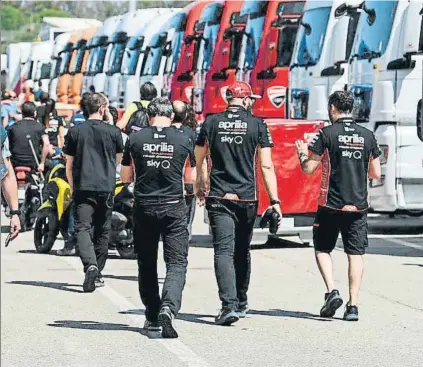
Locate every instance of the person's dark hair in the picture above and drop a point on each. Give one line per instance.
(44, 97)
(114, 113)
(179, 110)
(190, 120)
(83, 103)
(148, 91)
(50, 109)
(29, 110)
(91, 89)
(342, 101)
(160, 106)
(94, 102)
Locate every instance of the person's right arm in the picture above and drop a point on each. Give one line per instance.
(69, 149)
(121, 124)
(45, 152)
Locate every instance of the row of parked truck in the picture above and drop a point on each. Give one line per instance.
(293, 53)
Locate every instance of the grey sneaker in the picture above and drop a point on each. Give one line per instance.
(90, 277)
(226, 317)
(66, 251)
(166, 321)
(152, 326)
(351, 313)
(332, 302)
(242, 311)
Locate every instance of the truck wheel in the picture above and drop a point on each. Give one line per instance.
(45, 231)
(415, 213)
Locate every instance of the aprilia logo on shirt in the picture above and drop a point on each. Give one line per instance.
(232, 125)
(163, 147)
(351, 139)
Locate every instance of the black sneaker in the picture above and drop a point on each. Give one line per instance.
(99, 281)
(351, 313)
(152, 326)
(242, 311)
(90, 277)
(332, 302)
(226, 317)
(166, 319)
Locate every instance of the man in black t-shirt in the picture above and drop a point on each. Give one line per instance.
(18, 133)
(161, 155)
(180, 110)
(349, 155)
(234, 138)
(93, 150)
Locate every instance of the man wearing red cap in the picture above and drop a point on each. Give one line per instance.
(234, 138)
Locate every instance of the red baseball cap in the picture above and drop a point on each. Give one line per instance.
(241, 90)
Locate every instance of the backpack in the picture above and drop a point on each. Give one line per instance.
(138, 120)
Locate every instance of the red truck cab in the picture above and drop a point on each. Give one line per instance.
(225, 59)
(270, 75)
(182, 82)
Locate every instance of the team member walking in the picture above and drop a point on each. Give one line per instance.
(185, 120)
(349, 154)
(234, 137)
(93, 150)
(161, 158)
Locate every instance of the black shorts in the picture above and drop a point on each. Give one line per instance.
(352, 225)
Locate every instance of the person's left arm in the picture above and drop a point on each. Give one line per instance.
(126, 171)
(61, 135)
(200, 153)
(311, 155)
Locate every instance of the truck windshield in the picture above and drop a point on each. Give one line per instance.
(131, 55)
(45, 71)
(207, 47)
(286, 41)
(79, 59)
(251, 42)
(97, 61)
(64, 65)
(310, 45)
(116, 57)
(176, 45)
(55, 68)
(152, 64)
(372, 40)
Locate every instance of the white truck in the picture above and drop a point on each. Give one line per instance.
(387, 80)
(98, 46)
(319, 63)
(129, 33)
(39, 65)
(17, 57)
(59, 44)
(162, 47)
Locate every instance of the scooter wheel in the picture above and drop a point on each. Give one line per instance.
(46, 230)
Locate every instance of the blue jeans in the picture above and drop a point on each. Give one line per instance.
(71, 227)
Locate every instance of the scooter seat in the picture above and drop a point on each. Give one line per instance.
(23, 169)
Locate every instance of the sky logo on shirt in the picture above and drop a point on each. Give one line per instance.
(158, 148)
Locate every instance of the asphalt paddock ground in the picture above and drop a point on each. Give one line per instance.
(46, 320)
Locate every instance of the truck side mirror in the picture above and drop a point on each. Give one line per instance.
(341, 10)
(221, 75)
(419, 119)
(189, 39)
(229, 33)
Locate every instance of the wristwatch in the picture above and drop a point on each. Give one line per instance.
(301, 155)
(15, 212)
(275, 202)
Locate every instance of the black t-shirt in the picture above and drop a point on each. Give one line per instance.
(55, 123)
(40, 113)
(189, 188)
(233, 138)
(159, 155)
(94, 146)
(346, 149)
(18, 142)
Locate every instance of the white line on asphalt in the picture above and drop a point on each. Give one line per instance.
(404, 243)
(176, 347)
(395, 236)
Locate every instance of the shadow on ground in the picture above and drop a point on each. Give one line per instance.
(53, 285)
(95, 325)
(286, 313)
(420, 265)
(127, 278)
